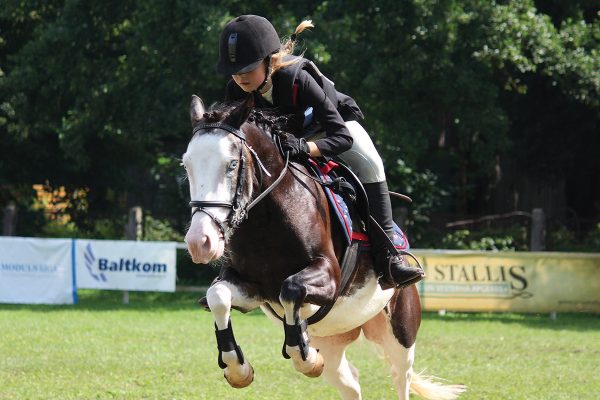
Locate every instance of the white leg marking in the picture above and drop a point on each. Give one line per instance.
(220, 297)
(379, 331)
(338, 372)
(401, 360)
(288, 310)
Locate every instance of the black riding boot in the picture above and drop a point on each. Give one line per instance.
(392, 269)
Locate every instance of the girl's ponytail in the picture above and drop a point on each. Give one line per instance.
(287, 48)
(303, 25)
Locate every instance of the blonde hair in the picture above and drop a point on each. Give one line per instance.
(287, 48)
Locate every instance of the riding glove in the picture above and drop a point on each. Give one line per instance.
(298, 148)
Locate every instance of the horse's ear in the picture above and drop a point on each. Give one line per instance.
(196, 110)
(240, 114)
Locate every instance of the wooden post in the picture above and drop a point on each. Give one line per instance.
(538, 230)
(133, 231)
(9, 221)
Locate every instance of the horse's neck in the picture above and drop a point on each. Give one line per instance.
(272, 215)
(268, 154)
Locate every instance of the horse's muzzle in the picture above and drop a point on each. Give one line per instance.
(204, 248)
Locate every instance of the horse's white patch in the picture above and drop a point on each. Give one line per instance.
(206, 161)
(350, 312)
(347, 313)
(223, 295)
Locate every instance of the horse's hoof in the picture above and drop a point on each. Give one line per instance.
(317, 369)
(203, 302)
(246, 381)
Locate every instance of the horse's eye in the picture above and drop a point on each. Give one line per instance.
(231, 166)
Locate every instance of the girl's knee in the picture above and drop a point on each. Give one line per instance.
(363, 157)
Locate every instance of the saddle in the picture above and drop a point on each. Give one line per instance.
(349, 204)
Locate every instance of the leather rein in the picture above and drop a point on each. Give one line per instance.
(238, 212)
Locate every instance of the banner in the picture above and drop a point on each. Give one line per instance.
(510, 281)
(36, 271)
(125, 265)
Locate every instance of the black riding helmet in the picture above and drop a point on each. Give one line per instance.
(244, 43)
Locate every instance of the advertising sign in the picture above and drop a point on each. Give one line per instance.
(36, 271)
(125, 265)
(510, 281)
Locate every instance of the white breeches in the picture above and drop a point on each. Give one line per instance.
(362, 158)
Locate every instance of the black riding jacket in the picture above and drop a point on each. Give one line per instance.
(295, 89)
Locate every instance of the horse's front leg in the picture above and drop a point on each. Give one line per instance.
(221, 296)
(315, 284)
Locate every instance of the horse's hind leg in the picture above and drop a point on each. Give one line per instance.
(338, 372)
(221, 296)
(394, 330)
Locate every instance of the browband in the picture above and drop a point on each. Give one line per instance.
(219, 125)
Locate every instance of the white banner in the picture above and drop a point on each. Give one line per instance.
(36, 271)
(125, 265)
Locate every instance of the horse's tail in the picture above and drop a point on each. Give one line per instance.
(427, 387)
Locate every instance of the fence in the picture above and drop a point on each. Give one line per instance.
(475, 280)
(536, 220)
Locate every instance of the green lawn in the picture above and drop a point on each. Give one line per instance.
(161, 346)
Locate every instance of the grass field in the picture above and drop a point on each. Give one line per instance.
(161, 346)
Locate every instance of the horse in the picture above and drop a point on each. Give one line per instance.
(283, 256)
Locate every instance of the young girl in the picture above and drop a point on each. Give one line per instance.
(251, 52)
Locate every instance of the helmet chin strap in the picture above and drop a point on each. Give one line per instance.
(267, 76)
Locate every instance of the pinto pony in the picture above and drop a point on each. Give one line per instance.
(283, 255)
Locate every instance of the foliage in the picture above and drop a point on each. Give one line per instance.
(100, 229)
(592, 240)
(57, 229)
(512, 239)
(95, 96)
(107, 229)
(563, 239)
(160, 230)
(426, 193)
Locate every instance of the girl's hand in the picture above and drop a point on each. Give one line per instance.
(296, 147)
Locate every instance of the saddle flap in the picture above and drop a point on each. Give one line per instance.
(338, 204)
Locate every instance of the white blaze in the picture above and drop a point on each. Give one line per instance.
(206, 161)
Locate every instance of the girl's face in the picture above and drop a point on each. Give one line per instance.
(250, 81)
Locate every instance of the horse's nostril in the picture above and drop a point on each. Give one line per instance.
(205, 243)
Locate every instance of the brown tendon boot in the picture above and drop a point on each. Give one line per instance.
(394, 271)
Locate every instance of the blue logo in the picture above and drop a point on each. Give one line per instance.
(89, 263)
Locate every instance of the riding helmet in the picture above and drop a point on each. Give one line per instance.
(244, 43)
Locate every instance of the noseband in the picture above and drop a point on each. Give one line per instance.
(238, 212)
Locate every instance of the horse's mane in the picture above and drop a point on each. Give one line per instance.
(270, 120)
(218, 112)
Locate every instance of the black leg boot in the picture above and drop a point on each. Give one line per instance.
(393, 270)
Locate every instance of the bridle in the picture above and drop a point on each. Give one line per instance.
(238, 212)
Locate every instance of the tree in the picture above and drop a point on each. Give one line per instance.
(95, 95)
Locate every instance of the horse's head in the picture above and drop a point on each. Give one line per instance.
(220, 177)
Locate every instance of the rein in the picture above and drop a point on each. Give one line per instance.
(238, 213)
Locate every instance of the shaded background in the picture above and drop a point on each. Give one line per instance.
(479, 109)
